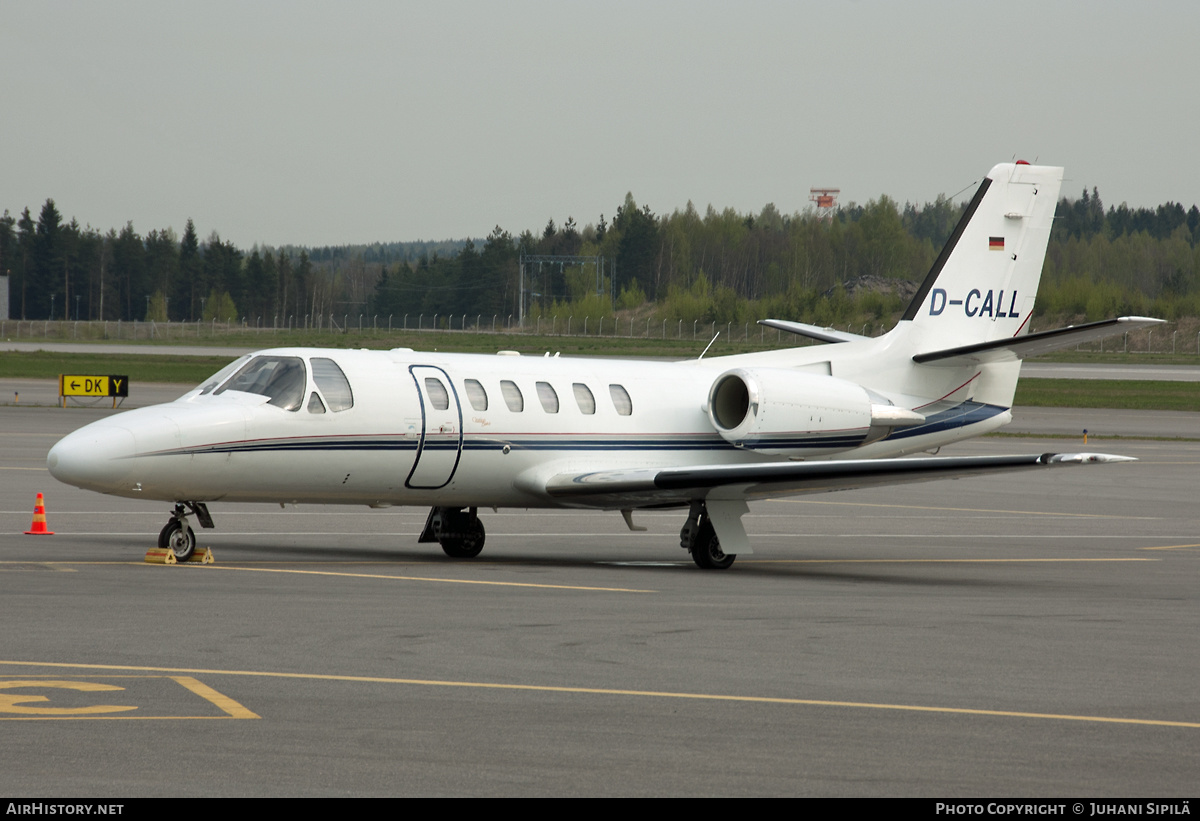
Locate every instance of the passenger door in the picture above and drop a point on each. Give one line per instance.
(441, 441)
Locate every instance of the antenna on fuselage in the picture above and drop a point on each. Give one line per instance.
(710, 344)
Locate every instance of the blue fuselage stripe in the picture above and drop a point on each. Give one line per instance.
(966, 413)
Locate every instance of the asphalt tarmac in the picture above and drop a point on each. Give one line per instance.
(1026, 635)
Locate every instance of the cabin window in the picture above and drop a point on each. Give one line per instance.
(476, 394)
(437, 393)
(584, 398)
(315, 405)
(547, 397)
(621, 400)
(279, 378)
(512, 396)
(332, 383)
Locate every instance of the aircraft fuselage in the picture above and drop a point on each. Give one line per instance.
(407, 441)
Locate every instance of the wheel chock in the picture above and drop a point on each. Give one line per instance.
(162, 555)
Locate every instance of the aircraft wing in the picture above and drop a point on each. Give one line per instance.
(812, 331)
(653, 487)
(1032, 344)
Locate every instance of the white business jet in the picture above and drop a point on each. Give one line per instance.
(457, 432)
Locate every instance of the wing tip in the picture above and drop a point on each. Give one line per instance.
(1084, 458)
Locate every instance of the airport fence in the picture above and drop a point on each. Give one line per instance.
(1180, 337)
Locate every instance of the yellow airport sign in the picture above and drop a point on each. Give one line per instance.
(93, 385)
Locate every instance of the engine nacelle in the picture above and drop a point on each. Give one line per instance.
(792, 413)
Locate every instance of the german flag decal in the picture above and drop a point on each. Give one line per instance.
(995, 243)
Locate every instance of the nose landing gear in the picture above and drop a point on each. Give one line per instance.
(177, 536)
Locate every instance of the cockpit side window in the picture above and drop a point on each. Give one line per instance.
(332, 383)
(279, 378)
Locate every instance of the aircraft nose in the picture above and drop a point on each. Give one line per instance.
(96, 457)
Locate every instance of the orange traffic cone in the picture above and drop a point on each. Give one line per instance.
(38, 528)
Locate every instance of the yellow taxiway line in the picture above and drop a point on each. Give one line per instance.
(602, 691)
(390, 577)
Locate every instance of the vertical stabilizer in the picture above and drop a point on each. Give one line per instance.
(983, 284)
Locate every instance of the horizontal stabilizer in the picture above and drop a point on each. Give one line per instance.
(1032, 344)
(811, 331)
(650, 487)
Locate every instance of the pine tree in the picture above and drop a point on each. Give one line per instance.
(189, 288)
(47, 278)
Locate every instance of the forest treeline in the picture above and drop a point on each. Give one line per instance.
(720, 266)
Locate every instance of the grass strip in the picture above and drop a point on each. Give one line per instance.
(138, 367)
(1046, 393)
(1109, 393)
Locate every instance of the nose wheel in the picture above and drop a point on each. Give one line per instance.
(177, 536)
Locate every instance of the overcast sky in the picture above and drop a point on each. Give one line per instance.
(330, 123)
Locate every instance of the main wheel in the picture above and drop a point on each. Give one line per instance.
(707, 552)
(179, 539)
(467, 544)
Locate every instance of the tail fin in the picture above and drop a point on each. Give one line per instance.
(983, 284)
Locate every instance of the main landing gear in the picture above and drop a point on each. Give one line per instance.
(177, 535)
(459, 531)
(699, 538)
(461, 535)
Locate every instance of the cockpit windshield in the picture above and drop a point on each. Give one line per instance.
(207, 386)
(279, 378)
